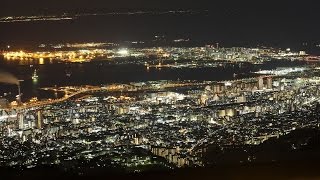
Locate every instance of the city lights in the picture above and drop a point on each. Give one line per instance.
(123, 52)
(182, 89)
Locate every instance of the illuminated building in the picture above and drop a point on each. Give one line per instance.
(217, 88)
(222, 113)
(39, 122)
(230, 112)
(215, 97)
(241, 99)
(302, 53)
(269, 83)
(20, 121)
(204, 99)
(122, 110)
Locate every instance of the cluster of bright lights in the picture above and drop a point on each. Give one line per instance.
(282, 71)
(73, 56)
(85, 45)
(123, 52)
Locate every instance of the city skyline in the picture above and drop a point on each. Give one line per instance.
(149, 89)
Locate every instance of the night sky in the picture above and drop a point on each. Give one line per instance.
(238, 21)
(304, 8)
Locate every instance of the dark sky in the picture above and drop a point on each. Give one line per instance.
(32, 5)
(112, 3)
(14, 6)
(229, 20)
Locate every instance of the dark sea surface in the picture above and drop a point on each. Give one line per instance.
(53, 73)
(199, 26)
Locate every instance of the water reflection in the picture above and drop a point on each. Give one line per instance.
(30, 61)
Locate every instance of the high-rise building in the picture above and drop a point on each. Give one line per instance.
(204, 99)
(216, 88)
(20, 121)
(269, 83)
(260, 83)
(39, 122)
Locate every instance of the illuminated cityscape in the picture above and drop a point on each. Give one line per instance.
(92, 51)
(145, 90)
(175, 121)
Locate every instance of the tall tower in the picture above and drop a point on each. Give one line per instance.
(39, 122)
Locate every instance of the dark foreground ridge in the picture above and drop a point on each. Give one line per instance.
(275, 159)
(288, 170)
